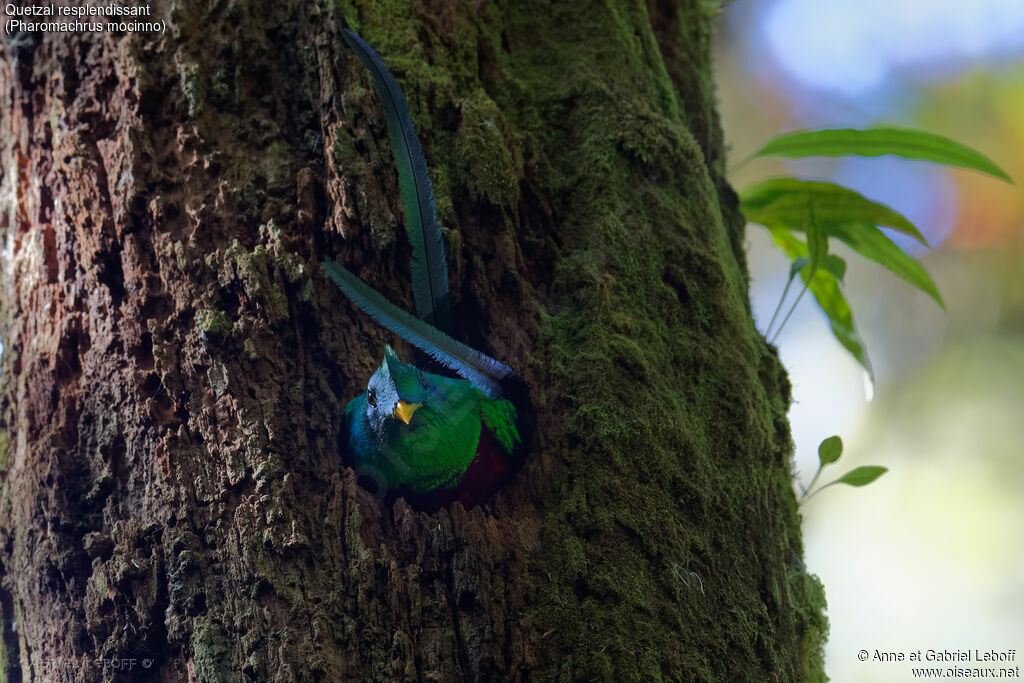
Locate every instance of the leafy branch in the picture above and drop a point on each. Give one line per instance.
(821, 211)
(829, 451)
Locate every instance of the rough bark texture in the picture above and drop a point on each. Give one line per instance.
(175, 365)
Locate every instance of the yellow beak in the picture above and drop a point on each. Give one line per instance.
(404, 411)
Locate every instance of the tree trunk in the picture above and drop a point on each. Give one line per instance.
(173, 504)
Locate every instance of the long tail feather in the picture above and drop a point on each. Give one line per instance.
(429, 267)
(483, 371)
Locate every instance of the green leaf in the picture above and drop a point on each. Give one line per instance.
(870, 242)
(835, 265)
(861, 476)
(873, 142)
(825, 287)
(797, 203)
(818, 209)
(829, 450)
(830, 299)
(817, 245)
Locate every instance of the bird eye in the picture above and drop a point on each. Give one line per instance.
(371, 398)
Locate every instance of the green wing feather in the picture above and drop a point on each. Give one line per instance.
(429, 267)
(483, 371)
(500, 418)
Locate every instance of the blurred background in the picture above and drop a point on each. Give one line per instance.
(932, 554)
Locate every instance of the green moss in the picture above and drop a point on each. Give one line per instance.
(346, 159)
(484, 160)
(626, 353)
(259, 275)
(187, 561)
(194, 90)
(213, 323)
(675, 435)
(210, 648)
(815, 634)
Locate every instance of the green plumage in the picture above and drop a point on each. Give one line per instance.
(442, 438)
(430, 438)
(500, 417)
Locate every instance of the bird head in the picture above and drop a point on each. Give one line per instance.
(395, 392)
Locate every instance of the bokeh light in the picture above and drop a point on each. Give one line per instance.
(864, 47)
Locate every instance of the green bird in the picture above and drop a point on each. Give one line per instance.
(427, 437)
(430, 438)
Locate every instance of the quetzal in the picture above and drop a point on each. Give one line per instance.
(430, 438)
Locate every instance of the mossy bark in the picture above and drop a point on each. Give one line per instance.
(175, 365)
